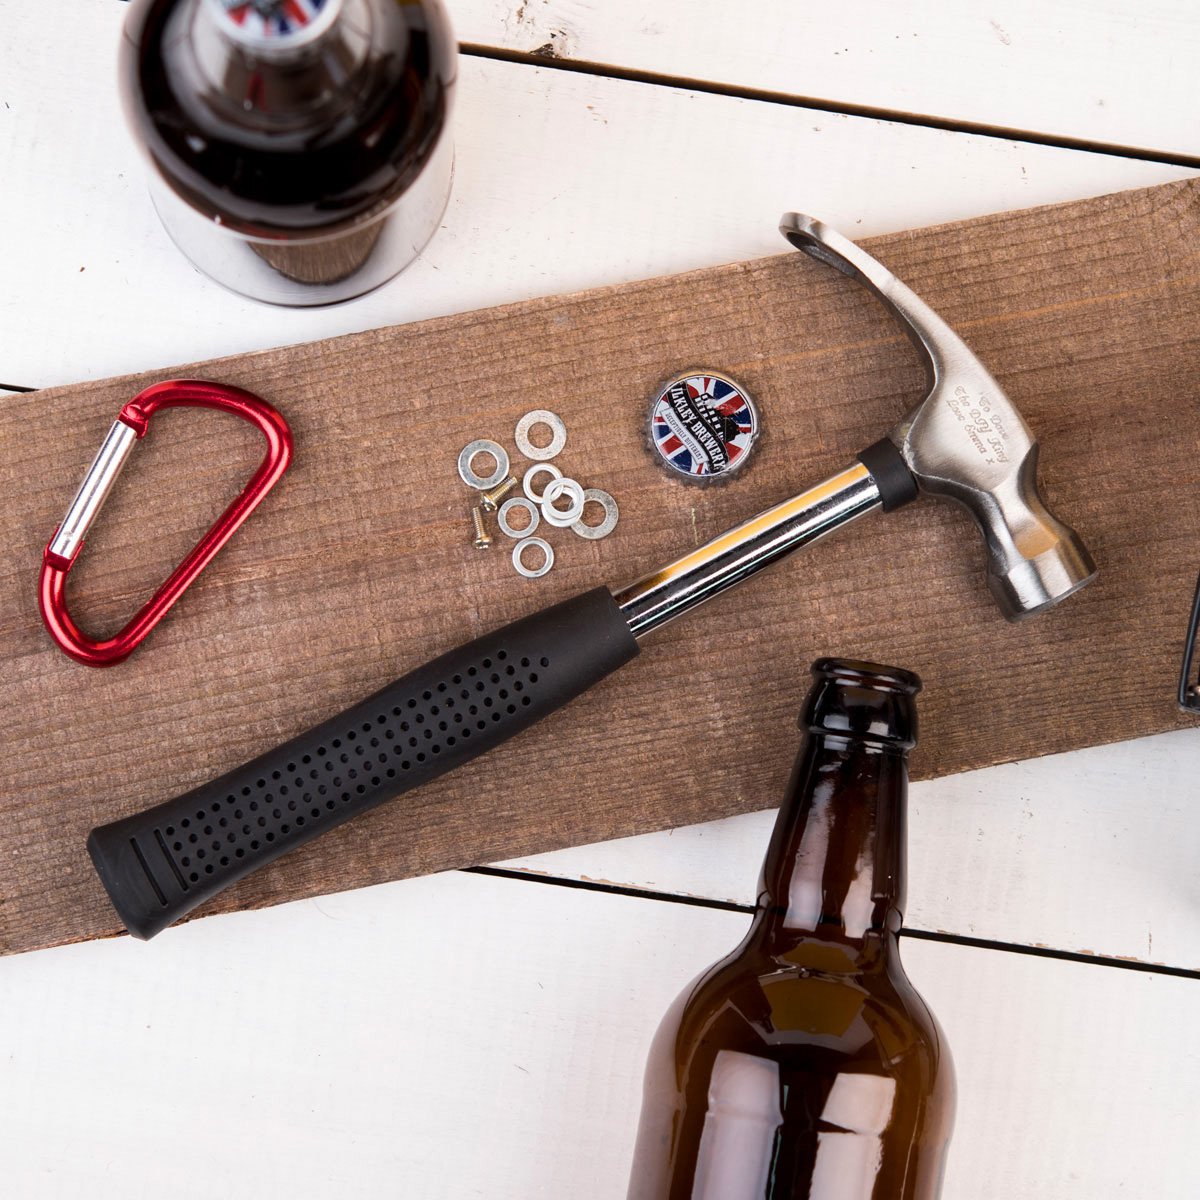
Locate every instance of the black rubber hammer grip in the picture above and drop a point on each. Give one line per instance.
(159, 864)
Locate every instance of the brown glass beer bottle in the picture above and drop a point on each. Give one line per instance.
(805, 1064)
(300, 148)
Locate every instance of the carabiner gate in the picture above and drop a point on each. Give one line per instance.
(129, 427)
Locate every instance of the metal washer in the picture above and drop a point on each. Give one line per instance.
(482, 446)
(562, 519)
(611, 515)
(508, 506)
(527, 487)
(524, 545)
(558, 431)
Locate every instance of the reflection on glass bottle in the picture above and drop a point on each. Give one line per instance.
(805, 1065)
(301, 148)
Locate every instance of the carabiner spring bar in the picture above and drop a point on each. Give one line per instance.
(129, 427)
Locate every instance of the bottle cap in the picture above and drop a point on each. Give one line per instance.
(266, 25)
(703, 425)
(863, 701)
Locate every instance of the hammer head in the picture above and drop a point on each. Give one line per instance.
(967, 441)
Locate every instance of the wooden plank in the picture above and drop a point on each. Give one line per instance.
(1085, 311)
(522, 1013)
(551, 195)
(51, 123)
(1045, 852)
(1109, 71)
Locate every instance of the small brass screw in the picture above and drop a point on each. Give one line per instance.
(483, 539)
(489, 501)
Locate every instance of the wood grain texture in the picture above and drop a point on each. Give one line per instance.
(358, 567)
(1113, 71)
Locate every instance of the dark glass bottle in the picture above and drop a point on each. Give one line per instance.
(805, 1064)
(300, 148)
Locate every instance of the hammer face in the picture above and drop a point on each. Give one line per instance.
(966, 441)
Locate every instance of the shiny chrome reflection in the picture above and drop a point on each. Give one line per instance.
(727, 560)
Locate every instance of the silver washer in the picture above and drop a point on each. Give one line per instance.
(533, 471)
(611, 514)
(508, 506)
(523, 545)
(562, 518)
(558, 434)
(482, 446)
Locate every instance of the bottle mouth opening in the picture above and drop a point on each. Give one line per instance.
(855, 672)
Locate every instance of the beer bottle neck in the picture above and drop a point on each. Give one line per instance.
(835, 865)
(835, 869)
(279, 60)
(833, 883)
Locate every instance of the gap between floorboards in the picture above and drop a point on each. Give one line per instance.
(763, 95)
(952, 939)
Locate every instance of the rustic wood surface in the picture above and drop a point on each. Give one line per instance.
(359, 567)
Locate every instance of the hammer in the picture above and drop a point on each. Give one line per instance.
(965, 441)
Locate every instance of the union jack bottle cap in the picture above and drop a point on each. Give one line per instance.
(703, 425)
(267, 24)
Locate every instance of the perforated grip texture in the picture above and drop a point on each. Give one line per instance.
(159, 864)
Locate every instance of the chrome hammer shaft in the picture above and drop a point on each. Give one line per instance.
(708, 570)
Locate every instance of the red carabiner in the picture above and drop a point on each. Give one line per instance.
(129, 427)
